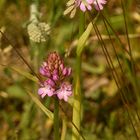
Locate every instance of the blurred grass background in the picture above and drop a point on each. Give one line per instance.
(104, 116)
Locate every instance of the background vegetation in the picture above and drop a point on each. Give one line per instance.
(110, 105)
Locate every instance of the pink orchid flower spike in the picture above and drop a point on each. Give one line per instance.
(54, 72)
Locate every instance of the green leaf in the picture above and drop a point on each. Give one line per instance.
(41, 106)
(16, 91)
(83, 39)
(85, 35)
(24, 73)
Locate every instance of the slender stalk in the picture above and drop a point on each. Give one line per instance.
(116, 34)
(120, 65)
(77, 101)
(72, 124)
(64, 129)
(16, 135)
(20, 55)
(133, 73)
(35, 54)
(76, 119)
(115, 77)
(130, 54)
(56, 119)
(33, 18)
(114, 74)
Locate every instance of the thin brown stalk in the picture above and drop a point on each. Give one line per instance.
(121, 93)
(115, 33)
(105, 37)
(128, 40)
(20, 55)
(105, 20)
(119, 64)
(72, 122)
(130, 51)
(110, 63)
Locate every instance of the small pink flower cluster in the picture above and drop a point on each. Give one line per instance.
(87, 4)
(55, 72)
(84, 6)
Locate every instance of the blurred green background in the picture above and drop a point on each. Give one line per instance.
(104, 115)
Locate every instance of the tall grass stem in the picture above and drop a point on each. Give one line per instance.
(76, 118)
(56, 119)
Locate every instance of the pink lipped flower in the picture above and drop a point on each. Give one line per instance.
(64, 92)
(55, 73)
(46, 90)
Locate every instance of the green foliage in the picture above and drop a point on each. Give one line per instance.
(105, 78)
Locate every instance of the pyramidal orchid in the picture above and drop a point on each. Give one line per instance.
(55, 72)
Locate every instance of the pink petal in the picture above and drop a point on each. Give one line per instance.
(62, 66)
(69, 71)
(50, 93)
(64, 92)
(89, 7)
(44, 71)
(41, 70)
(55, 77)
(43, 95)
(50, 82)
(103, 1)
(65, 71)
(98, 7)
(42, 92)
(60, 95)
(65, 98)
(55, 71)
(82, 7)
(99, 4)
(89, 1)
(46, 90)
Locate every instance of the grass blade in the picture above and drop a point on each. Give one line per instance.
(41, 106)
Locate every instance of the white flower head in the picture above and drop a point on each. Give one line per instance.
(38, 31)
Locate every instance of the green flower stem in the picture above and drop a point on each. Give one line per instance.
(34, 11)
(77, 90)
(77, 101)
(35, 47)
(35, 52)
(64, 129)
(56, 119)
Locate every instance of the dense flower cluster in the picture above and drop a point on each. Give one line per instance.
(38, 31)
(84, 5)
(55, 72)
